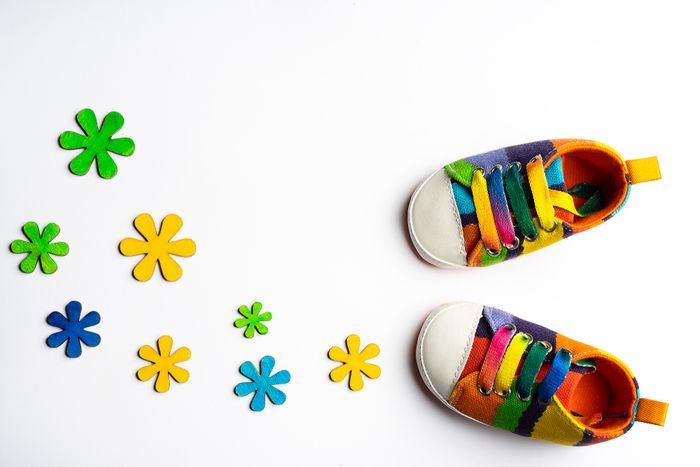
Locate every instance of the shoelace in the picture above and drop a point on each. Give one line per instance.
(493, 193)
(503, 358)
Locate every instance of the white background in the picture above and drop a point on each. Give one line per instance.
(289, 137)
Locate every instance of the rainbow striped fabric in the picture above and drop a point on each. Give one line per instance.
(518, 199)
(535, 382)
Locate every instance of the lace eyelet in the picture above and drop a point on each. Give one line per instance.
(514, 245)
(493, 253)
(552, 228)
(497, 166)
(510, 326)
(531, 239)
(538, 156)
(521, 398)
(548, 345)
(503, 395)
(517, 164)
(483, 391)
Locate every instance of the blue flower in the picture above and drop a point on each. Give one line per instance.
(73, 329)
(262, 383)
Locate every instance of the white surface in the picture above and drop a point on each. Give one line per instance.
(289, 137)
(444, 344)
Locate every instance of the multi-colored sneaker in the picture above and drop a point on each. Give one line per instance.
(506, 372)
(498, 205)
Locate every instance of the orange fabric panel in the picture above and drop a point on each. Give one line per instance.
(476, 356)
(651, 411)
(467, 399)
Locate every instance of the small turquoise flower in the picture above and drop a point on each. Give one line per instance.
(97, 143)
(262, 383)
(73, 329)
(39, 248)
(252, 320)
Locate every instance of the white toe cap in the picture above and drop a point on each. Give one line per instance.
(444, 344)
(434, 223)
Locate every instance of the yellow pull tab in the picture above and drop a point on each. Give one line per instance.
(643, 170)
(651, 411)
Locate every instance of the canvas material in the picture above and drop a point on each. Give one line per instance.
(548, 422)
(550, 150)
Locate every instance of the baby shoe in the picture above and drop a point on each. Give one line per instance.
(498, 205)
(497, 369)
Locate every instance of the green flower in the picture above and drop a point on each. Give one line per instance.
(253, 320)
(97, 143)
(39, 247)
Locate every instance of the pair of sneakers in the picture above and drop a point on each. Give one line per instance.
(487, 364)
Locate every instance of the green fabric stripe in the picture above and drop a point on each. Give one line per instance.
(488, 260)
(509, 412)
(531, 366)
(518, 202)
(461, 172)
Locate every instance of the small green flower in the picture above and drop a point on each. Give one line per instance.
(97, 143)
(39, 248)
(253, 320)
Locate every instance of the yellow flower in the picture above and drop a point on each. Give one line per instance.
(164, 363)
(354, 362)
(157, 247)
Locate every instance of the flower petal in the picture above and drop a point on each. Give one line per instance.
(90, 319)
(89, 338)
(31, 230)
(248, 369)
(353, 344)
(337, 354)
(82, 162)
(258, 402)
(73, 310)
(339, 373)
(180, 355)
(356, 382)
(371, 370)
(148, 353)
(276, 396)
(249, 332)
(121, 146)
(179, 374)
(145, 268)
(72, 140)
(267, 316)
(73, 349)
(57, 319)
(132, 247)
(50, 232)
(257, 306)
(267, 363)
(106, 166)
(261, 328)
(170, 270)
(240, 322)
(281, 377)
(145, 226)
(185, 247)
(29, 263)
(48, 265)
(243, 389)
(147, 372)
(112, 123)
(87, 121)
(57, 338)
(58, 248)
(165, 345)
(371, 351)
(162, 382)
(243, 309)
(21, 246)
(169, 226)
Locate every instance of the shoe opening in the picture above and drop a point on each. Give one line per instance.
(598, 167)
